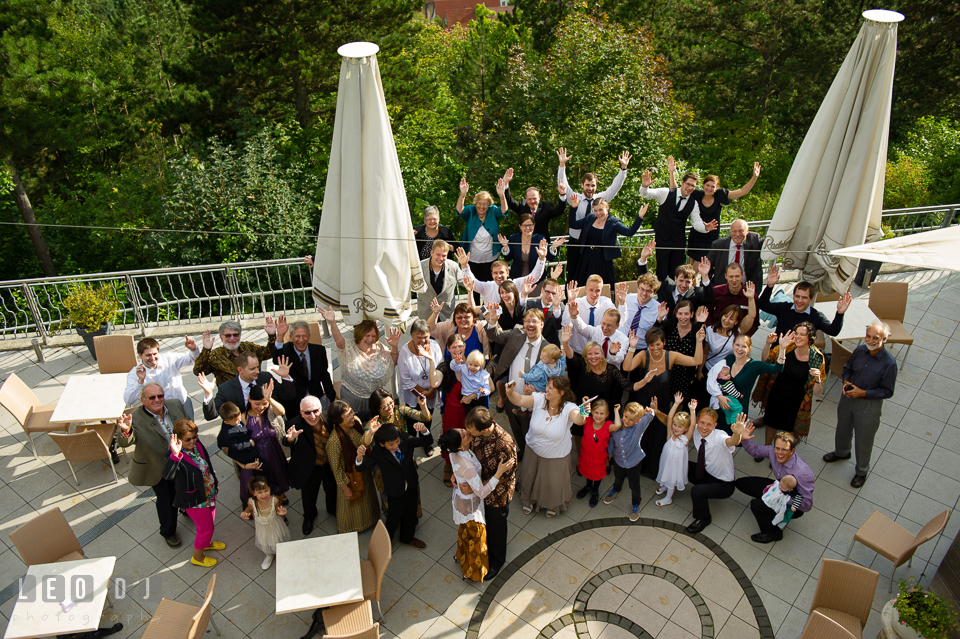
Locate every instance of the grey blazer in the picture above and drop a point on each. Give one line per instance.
(452, 275)
(153, 447)
(512, 340)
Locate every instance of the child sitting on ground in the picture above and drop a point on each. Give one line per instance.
(624, 448)
(474, 380)
(675, 457)
(263, 508)
(552, 364)
(783, 498)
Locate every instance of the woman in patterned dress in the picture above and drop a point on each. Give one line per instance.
(357, 506)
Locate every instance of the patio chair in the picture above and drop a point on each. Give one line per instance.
(316, 334)
(604, 292)
(888, 301)
(176, 619)
(47, 539)
(84, 446)
(631, 287)
(115, 353)
(845, 594)
(379, 554)
(891, 540)
(838, 358)
(821, 627)
(32, 416)
(350, 621)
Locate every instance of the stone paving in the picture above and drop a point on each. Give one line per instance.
(586, 573)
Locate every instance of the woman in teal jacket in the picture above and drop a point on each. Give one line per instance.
(482, 226)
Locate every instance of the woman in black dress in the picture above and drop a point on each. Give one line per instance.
(511, 314)
(681, 330)
(600, 246)
(710, 201)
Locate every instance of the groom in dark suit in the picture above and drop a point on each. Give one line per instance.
(741, 246)
(237, 390)
(308, 366)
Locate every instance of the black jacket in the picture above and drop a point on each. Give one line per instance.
(231, 391)
(397, 477)
(318, 384)
(303, 453)
(238, 442)
(188, 479)
(546, 211)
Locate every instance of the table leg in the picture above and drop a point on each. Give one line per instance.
(317, 624)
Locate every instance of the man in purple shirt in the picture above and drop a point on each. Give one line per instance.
(784, 461)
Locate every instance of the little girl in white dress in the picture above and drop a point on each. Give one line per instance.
(674, 458)
(265, 510)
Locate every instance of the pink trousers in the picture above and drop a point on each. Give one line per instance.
(203, 520)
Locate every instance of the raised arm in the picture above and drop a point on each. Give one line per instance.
(331, 319)
(743, 190)
(523, 401)
(464, 187)
(749, 289)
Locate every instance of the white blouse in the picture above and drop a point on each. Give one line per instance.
(466, 469)
(549, 435)
(361, 374)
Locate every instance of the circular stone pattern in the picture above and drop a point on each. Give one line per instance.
(586, 617)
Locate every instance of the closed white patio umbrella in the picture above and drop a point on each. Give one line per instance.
(366, 260)
(834, 193)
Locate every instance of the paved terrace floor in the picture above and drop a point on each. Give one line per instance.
(649, 575)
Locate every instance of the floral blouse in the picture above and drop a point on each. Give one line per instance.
(362, 373)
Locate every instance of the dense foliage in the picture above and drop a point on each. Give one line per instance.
(161, 132)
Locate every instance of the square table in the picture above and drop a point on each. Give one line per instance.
(855, 321)
(332, 564)
(35, 617)
(88, 398)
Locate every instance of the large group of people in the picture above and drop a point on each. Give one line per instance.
(620, 383)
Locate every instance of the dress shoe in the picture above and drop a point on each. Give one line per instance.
(208, 562)
(858, 481)
(583, 492)
(416, 543)
(216, 545)
(114, 457)
(307, 528)
(698, 525)
(490, 576)
(766, 538)
(832, 457)
(173, 541)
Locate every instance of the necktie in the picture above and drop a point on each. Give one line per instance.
(592, 317)
(399, 456)
(683, 198)
(526, 358)
(635, 324)
(606, 345)
(589, 208)
(702, 458)
(303, 366)
(736, 258)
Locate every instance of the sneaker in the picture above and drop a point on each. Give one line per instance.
(611, 496)
(664, 502)
(661, 490)
(635, 515)
(594, 498)
(583, 492)
(267, 562)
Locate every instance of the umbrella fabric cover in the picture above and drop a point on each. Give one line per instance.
(939, 249)
(366, 261)
(834, 193)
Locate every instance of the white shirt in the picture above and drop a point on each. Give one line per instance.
(549, 435)
(717, 455)
(167, 374)
(466, 469)
(578, 340)
(719, 346)
(595, 334)
(481, 249)
(516, 366)
(245, 388)
(660, 195)
(610, 193)
(412, 370)
(490, 291)
(648, 317)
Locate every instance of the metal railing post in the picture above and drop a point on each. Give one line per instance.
(236, 311)
(135, 301)
(948, 218)
(35, 311)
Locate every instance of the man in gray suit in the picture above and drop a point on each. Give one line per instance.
(150, 428)
(441, 276)
(521, 352)
(741, 246)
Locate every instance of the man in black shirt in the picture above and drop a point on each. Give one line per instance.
(542, 212)
(789, 315)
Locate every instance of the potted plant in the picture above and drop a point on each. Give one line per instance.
(90, 310)
(920, 613)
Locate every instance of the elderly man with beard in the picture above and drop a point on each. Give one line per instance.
(785, 461)
(308, 468)
(222, 361)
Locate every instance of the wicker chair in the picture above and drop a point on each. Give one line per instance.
(845, 594)
(47, 539)
(83, 446)
(350, 621)
(838, 357)
(115, 353)
(379, 554)
(821, 627)
(316, 334)
(32, 416)
(888, 538)
(888, 301)
(176, 619)
(604, 292)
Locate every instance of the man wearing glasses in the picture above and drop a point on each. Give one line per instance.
(308, 468)
(150, 428)
(869, 377)
(551, 303)
(222, 361)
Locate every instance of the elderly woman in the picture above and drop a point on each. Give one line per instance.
(468, 507)
(196, 484)
(417, 365)
(431, 230)
(365, 363)
(545, 469)
(481, 228)
(357, 506)
(788, 395)
(464, 323)
(599, 239)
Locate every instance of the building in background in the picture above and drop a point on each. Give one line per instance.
(452, 12)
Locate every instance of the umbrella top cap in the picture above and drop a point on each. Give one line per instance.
(882, 15)
(367, 49)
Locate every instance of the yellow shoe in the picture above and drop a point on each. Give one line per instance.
(216, 545)
(208, 562)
